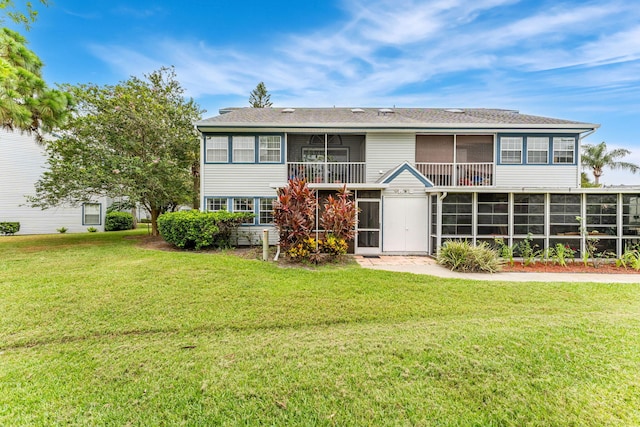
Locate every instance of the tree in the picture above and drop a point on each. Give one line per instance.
(135, 140)
(596, 157)
(26, 103)
(260, 97)
(585, 182)
(18, 16)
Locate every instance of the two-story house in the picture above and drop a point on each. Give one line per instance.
(419, 176)
(22, 162)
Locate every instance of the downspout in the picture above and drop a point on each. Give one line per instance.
(580, 138)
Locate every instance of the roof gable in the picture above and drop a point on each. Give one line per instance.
(391, 175)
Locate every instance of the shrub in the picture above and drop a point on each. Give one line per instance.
(294, 213)
(116, 221)
(197, 230)
(339, 216)
(294, 216)
(61, 230)
(92, 229)
(8, 228)
(463, 257)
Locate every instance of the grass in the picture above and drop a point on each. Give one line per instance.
(95, 330)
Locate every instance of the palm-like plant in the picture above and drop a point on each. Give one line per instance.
(596, 157)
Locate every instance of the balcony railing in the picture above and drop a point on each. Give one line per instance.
(328, 172)
(457, 174)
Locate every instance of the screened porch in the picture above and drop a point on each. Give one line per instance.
(456, 160)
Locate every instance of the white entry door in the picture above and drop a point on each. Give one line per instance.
(404, 224)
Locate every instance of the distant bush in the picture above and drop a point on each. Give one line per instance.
(116, 221)
(197, 230)
(92, 230)
(8, 228)
(62, 230)
(463, 257)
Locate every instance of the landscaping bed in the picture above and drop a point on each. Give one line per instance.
(571, 267)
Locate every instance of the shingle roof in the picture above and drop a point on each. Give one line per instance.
(383, 118)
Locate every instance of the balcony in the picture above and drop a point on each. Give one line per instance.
(458, 174)
(328, 172)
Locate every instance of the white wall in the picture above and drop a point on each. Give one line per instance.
(386, 151)
(241, 179)
(22, 161)
(537, 176)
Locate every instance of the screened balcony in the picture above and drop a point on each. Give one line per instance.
(326, 158)
(456, 160)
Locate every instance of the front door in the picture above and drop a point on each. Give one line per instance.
(368, 229)
(405, 224)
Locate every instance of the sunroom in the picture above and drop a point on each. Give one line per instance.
(609, 220)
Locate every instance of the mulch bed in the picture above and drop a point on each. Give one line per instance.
(572, 267)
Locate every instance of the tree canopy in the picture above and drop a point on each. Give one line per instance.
(26, 103)
(24, 17)
(597, 158)
(260, 97)
(135, 140)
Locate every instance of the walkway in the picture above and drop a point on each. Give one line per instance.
(427, 265)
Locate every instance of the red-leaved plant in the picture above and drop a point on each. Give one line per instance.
(294, 213)
(339, 216)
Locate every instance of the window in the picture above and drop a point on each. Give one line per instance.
(537, 150)
(244, 204)
(528, 214)
(602, 215)
(563, 150)
(457, 214)
(217, 149)
(215, 204)
(511, 150)
(270, 149)
(493, 214)
(91, 214)
(266, 210)
(564, 210)
(244, 149)
(631, 214)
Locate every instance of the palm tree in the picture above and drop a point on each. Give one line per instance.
(596, 157)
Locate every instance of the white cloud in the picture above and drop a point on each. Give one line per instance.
(391, 51)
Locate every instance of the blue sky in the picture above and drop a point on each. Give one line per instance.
(577, 60)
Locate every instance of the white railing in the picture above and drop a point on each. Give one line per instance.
(457, 174)
(328, 172)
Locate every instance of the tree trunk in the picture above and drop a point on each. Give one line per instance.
(155, 213)
(597, 173)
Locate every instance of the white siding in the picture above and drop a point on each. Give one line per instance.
(537, 176)
(241, 180)
(22, 161)
(386, 151)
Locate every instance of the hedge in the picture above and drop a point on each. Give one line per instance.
(197, 230)
(8, 228)
(116, 221)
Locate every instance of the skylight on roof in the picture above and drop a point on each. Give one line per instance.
(454, 110)
(357, 110)
(385, 110)
(288, 110)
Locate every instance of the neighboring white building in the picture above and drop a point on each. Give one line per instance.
(22, 161)
(419, 176)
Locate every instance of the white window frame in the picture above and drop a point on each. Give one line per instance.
(217, 149)
(267, 210)
(245, 204)
(270, 149)
(244, 149)
(538, 144)
(571, 143)
(511, 144)
(215, 204)
(98, 214)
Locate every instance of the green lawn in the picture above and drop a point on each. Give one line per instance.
(95, 330)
